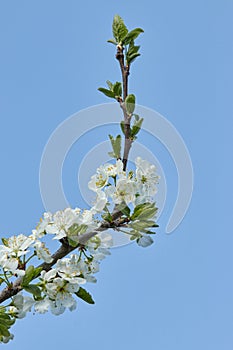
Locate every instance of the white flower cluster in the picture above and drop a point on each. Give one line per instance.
(111, 183)
(58, 285)
(56, 288)
(60, 223)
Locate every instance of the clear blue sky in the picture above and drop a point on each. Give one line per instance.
(177, 294)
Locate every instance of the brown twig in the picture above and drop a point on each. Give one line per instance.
(125, 71)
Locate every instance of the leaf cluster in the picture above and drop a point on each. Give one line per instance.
(143, 220)
(125, 39)
(6, 321)
(113, 91)
(136, 127)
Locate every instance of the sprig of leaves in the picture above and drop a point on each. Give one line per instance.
(125, 39)
(113, 91)
(6, 321)
(142, 223)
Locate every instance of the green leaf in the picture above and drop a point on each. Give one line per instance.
(136, 127)
(122, 125)
(7, 322)
(107, 217)
(84, 295)
(37, 272)
(107, 92)
(116, 146)
(111, 154)
(133, 49)
(112, 41)
(132, 35)
(33, 289)
(117, 89)
(123, 208)
(147, 214)
(76, 230)
(119, 29)
(73, 241)
(140, 208)
(131, 58)
(5, 241)
(142, 225)
(4, 331)
(29, 274)
(130, 104)
(110, 85)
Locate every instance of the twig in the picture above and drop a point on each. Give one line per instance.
(125, 71)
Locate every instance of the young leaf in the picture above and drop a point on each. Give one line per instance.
(107, 92)
(130, 104)
(116, 146)
(107, 217)
(5, 241)
(110, 85)
(140, 208)
(84, 295)
(29, 275)
(122, 125)
(117, 89)
(136, 127)
(132, 49)
(33, 289)
(136, 117)
(123, 208)
(4, 331)
(119, 29)
(141, 225)
(132, 35)
(132, 57)
(111, 154)
(147, 214)
(112, 41)
(6, 320)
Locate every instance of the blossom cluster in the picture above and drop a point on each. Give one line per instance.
(111, 183)
(56, 285)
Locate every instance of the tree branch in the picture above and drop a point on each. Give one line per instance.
(64, 250)
(125, 71)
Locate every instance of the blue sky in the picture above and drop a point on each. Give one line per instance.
(177, 294)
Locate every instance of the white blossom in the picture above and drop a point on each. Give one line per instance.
(42, 252)
(42, 226)
(60, 292)
(68, 269)
(21, 305)
(146, 177)
(62, 220)
(42, 306)
(100, 202)
(99, 245)
(99, 180)
(113, 170)
(124, 191)
(18, 245)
